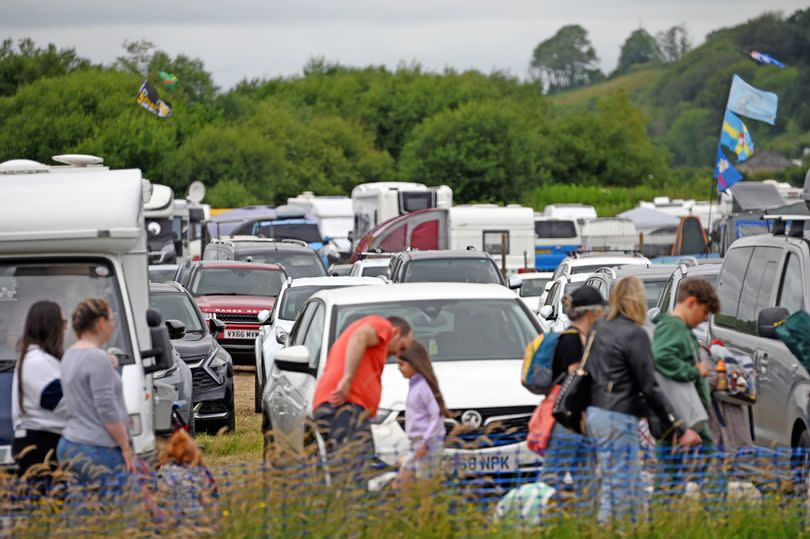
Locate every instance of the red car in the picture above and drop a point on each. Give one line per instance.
(234, 292)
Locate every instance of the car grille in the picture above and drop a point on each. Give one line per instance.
(234, 318)
(194, 359)
(202, 381)
(213, 407)
(499, 426)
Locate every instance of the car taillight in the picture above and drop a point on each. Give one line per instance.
(196, 258)
(525, 270)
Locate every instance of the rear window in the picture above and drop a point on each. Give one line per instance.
(555, 229)
(298, 264)
(374, 271)
(533, 287)
(307, 232)
(452, 270)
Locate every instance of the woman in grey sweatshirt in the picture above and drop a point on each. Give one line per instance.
(95, 440)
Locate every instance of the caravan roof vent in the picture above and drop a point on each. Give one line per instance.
(78, 160)
(22, 166)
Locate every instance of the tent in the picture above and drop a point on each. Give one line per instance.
(647, 219)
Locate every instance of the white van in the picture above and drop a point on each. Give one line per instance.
(375, 203)
(609, 234)
(570, 211)
(72, 232)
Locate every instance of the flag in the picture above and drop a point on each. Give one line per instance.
(748, 101)
(735, 137)
(724, 172)
(149, 99)
(168, 80)
(763, 58)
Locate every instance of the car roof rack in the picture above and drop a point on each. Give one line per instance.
(780, 222)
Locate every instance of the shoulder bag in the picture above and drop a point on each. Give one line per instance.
(575, 394)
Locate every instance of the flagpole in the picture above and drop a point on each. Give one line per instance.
(713, 185)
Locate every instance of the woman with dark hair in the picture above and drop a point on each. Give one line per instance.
(37, 409)
(96, 438)
(424, 415)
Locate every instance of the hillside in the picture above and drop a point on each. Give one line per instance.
(632, 84)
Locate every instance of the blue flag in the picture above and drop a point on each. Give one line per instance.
(735, 137)
(724, 172)
(763, 58)
(747, 101)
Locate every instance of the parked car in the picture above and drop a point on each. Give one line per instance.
(211, 367)
(234, 293)
(654, 278)
(277, 323)
(172, 386)
(161, 273)
(533, 287)
(468, 266)
(764, 279)
(370, 267)
(298, 259)
(590, 262)
(476, 335)
(554, 239)
(551, 315)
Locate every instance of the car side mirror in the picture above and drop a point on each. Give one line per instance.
(282, 337)
(177, 329)
(515, 282)
(653, 313)
(216, 326)
(768, 319)
(264, 317)
(294, 358)
(546, 312)
(161, 349)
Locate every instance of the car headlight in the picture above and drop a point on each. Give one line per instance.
(216, 366)
(164, 373)
(209, 316)
(381, 416)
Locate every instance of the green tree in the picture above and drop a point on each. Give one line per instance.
(27, 63)
(565, 60)
(486, 151)
(639, 48)
(674, 43)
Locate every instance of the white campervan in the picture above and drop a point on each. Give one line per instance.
(375, 203)
(334, 214)
(570, 211)
(72, 232)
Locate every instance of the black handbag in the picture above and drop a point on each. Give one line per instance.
(575, 394)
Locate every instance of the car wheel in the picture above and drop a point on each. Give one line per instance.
(257, 393)
(192, 424)
(799, 460)
(231, 421)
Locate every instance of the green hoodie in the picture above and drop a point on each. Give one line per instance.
(676, 352)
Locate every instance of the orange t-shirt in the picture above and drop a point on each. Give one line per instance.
(366, 388)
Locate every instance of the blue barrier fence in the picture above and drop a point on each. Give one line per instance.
(465, 492)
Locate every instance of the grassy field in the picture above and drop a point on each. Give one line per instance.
(631, 83)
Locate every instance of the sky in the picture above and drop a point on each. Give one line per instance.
(268, 38)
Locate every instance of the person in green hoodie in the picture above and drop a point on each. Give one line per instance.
(677, 356)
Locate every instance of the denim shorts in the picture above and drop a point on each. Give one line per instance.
(89, 462)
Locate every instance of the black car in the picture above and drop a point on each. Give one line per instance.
(211, 366)
(298, 259)
(468, 266)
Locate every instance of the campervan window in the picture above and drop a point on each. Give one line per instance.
(68, 282)
(555, 229)
(307, 232)
(416, 200)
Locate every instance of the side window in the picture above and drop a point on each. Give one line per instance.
(666, 296)
(791, 292)
(729, 286)
(314, 335)
(299, 330)
(757, 287)
(551, 293)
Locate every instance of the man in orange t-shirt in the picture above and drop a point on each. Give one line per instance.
(348, 393)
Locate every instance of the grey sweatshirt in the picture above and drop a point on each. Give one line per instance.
(93, 396)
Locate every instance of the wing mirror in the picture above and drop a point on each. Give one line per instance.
(653, 313)
(546, 312)
(294, 358)
(282, 337)
(216, 326)
(161, 349)
(515, 282)
(177, 329)
(768, 319)
(264, 317)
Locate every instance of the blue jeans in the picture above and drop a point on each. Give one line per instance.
(618, 453)
(568, 452)
(89, 463)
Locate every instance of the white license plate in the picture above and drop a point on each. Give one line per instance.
(241, 334)
(471, 463)
(5, 455)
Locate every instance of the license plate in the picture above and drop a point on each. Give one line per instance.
(470, 463)
(543, 251)
(5, 455)
(241, 334)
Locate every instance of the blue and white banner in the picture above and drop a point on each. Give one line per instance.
(750, 102)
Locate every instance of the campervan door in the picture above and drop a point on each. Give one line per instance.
(493, 229)
(66, 234)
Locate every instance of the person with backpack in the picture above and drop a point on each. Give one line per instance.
(569, 451)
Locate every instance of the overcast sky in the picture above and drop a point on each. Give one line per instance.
(267, 38)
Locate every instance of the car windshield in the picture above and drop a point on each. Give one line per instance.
(452, 270)
(177, 307)
(555, 229)
(653, 290)
(294, 298)
(456, 330)
(307, 232)
(297, 264)
(533, 287)
(159, 232)
(374, 271)
(66, 283)
(162, 274)
(236, 282)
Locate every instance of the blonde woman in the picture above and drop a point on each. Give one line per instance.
(623, 389)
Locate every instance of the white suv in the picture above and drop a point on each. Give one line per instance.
(476, 335)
